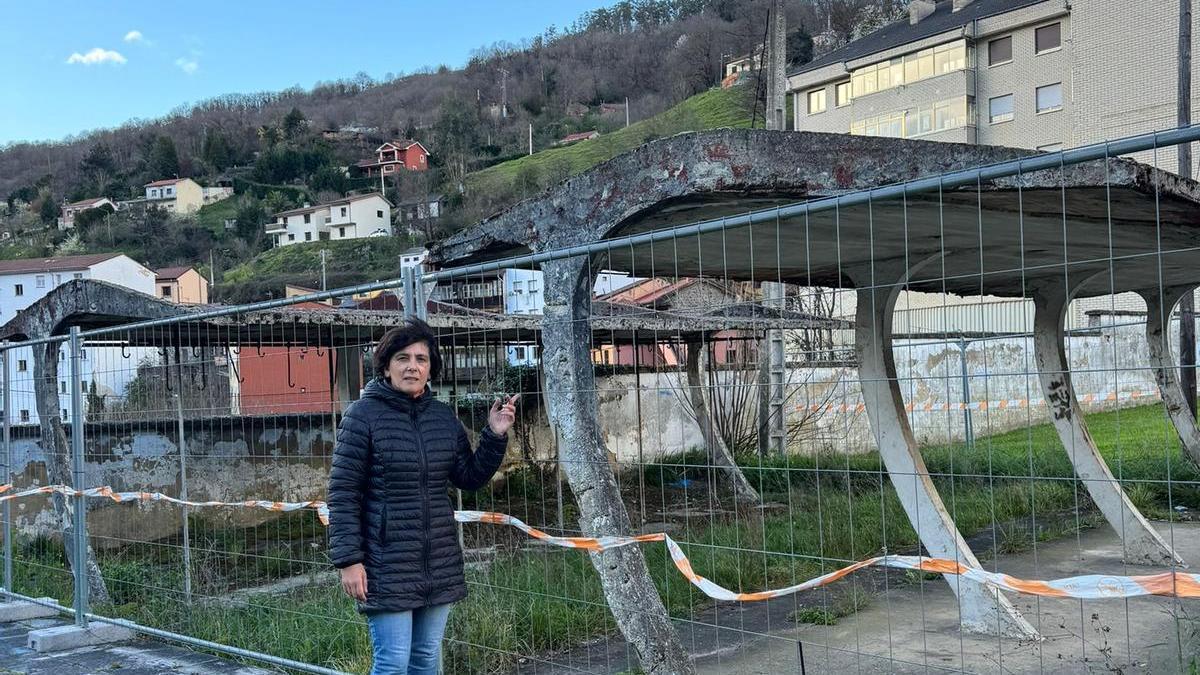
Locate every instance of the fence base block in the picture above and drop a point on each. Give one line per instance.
(20, 610)
(60, 638)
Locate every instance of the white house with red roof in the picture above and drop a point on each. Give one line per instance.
(353, 217)
(396, 156)
(67, 220)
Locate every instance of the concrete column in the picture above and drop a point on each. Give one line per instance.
(1159, 306)
(981, 609)
(571, 392)
(1142, 543)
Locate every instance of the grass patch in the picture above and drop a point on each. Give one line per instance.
(712, 109)
(1013, 489)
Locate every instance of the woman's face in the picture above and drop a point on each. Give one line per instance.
(408, 371)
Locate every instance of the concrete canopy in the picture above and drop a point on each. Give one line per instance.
(1002, 238)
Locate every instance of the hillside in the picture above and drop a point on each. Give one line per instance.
(712, 109)
(347, 262)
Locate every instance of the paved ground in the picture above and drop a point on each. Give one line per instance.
(913, 627)
(139, 657)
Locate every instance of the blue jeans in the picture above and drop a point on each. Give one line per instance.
(408, 643)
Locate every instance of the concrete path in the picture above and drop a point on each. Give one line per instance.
(912, 626)
(139, 657)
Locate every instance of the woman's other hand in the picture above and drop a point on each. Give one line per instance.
(501, 417)
(354, 581)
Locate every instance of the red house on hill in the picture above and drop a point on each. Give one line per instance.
(395, 156)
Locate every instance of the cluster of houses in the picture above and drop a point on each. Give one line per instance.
(354, 217)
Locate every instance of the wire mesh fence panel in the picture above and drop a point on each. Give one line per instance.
(934, 427)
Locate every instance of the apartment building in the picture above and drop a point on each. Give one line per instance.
(1038, 74)
(354, 217)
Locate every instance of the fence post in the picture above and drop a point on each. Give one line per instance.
(7, 478)
(968, 425)
(408, 281)
(80, 521)
(183, 482)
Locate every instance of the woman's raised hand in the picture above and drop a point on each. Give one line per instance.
(501, 417)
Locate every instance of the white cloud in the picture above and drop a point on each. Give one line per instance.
(188, 66)
(134, 36)
(97, 56)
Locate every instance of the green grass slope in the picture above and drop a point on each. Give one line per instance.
(713, 109)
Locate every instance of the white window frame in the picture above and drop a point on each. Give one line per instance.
(1010, 51)
(1048, 50)
(1005, 117)
(1037, 98)
(821, 96)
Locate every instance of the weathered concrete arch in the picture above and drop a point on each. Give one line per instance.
(1142, 543)
(1160, 305)
(74, 299)
(981, 609)
(1008, 233)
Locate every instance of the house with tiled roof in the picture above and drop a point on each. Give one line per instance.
(353, 217)
(395, 156)
(183, 195)
(67, 220)
(183, 285)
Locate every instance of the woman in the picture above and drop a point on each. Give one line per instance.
(391, 525)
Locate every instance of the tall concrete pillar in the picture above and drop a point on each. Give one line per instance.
(1142, 543)
(981, 609)
(775, 68)
(1160, 303)
(571, 392)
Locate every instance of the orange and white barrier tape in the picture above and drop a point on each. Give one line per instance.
(1003, 404)
(1087, 587)
(282, 507)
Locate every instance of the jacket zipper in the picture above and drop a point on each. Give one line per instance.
(424, 496)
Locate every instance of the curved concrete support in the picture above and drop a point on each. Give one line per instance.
(1159, 306)
(1142, 543)
(981, 609)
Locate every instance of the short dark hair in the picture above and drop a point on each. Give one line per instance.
(396, 339)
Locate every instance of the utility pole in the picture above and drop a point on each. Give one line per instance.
(626, 111)
(323, 252)
(503, 93)
(1187, 306)
(531, 138)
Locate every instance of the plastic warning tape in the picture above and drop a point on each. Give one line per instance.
(1003, 404)
(1087, 587)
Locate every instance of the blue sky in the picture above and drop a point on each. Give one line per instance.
(76, 65)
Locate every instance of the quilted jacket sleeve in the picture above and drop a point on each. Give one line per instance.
(473, 470)
(347, 488)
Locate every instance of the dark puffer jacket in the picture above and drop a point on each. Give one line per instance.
(388, 502)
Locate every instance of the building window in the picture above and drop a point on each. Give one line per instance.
(341, 232)
(19, 289)
(379, 214)
(1051, 147)
(291, 237)
(911, 68)
(65, 415)
(1000, 109)
(166, 291)
(1047, 38)
(24, 415)
(77, 275)
(63, 388)
(841, 94)
(388, 168)
(520, 353)
(308, 236)
(41, 281)
(949, 114)
(343, 212)
(1049, 98)
(22, 366)
(816, 101)
(1000, 51)
(308, 218)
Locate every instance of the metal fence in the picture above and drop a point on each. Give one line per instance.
(713, 381)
